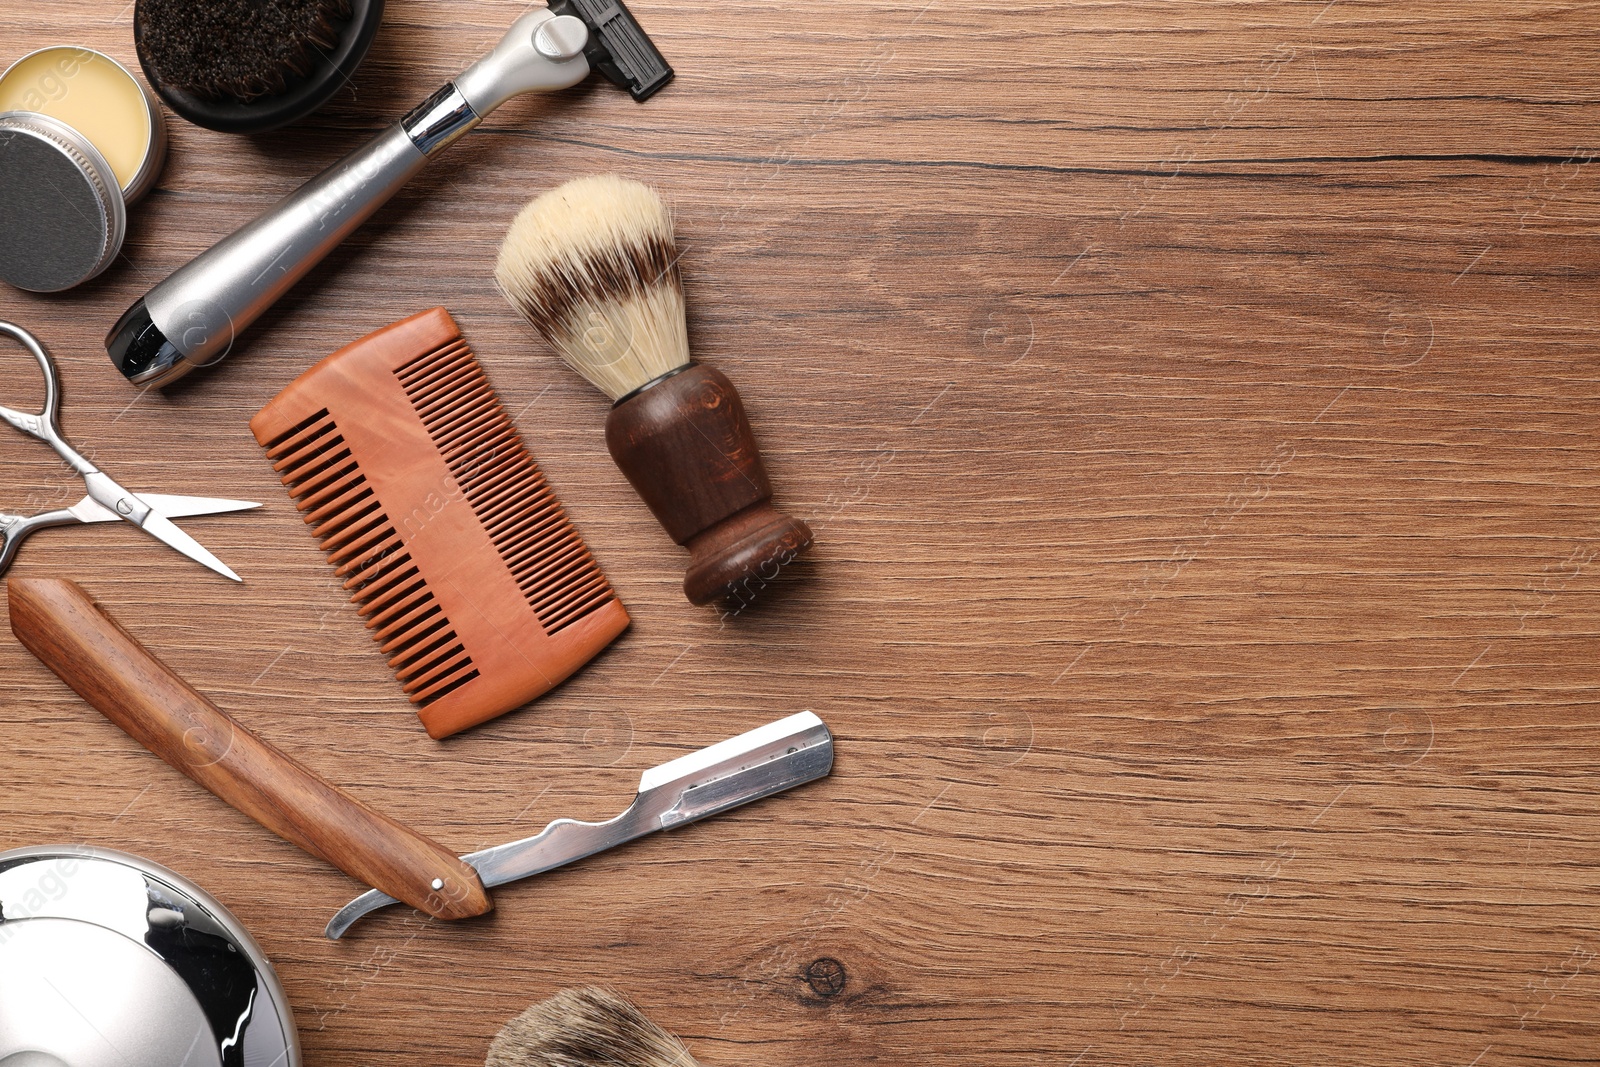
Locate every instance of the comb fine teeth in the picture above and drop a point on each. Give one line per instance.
(456, 553)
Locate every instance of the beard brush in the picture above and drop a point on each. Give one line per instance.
(588, 1027)
(593, 267)
(246, 66)
(237, 49)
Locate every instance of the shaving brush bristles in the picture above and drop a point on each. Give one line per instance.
(588, 1027)
(593, 267)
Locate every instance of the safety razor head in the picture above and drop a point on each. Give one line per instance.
(618, 46)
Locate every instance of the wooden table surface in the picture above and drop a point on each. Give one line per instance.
(1195, 404)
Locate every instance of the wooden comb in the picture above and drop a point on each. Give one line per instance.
(434, 515)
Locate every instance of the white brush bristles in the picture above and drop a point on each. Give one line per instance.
(593, 267)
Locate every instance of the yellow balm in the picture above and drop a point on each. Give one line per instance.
(95, 95)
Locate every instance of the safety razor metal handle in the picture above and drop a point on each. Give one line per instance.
(192, 318)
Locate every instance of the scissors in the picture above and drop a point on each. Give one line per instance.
(107, 501)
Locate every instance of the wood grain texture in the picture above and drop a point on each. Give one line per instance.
(436, 520)
(107, 666)
(1195, 405)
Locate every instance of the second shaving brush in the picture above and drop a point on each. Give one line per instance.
(587, 1027)
(593, 267)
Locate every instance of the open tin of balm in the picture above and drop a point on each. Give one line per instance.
(80, 139)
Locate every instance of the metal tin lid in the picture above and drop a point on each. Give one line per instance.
(62, 218)
(160, 972)
(44, 97)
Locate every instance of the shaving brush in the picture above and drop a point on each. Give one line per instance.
(589, 1027)
(593, 267)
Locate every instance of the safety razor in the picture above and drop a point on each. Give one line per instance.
(192, 318)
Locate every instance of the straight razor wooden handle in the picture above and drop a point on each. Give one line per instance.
(109, 668)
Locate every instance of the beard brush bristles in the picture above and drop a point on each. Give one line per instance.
(588, 1027)
(236, 49)
(593, 267)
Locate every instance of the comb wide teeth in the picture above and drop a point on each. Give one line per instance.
(456, 554)
(484, 453)
(333, 496)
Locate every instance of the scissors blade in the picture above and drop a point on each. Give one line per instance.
(173, 507)
(131, 506)
(161, 528)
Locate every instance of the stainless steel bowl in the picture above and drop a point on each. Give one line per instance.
(109, 959)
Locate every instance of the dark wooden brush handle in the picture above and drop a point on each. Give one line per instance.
(685, 444)
(109, 668)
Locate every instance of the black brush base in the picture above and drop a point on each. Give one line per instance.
(303, 97)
